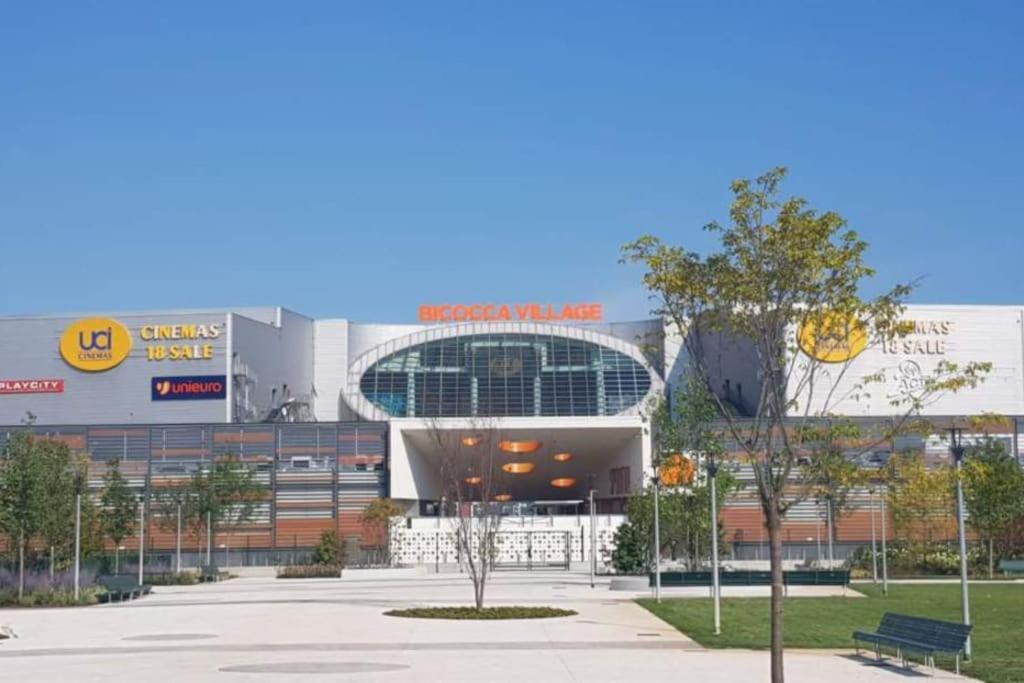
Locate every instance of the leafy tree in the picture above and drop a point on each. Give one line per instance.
(993, 493)
(631, 549)
(782, 266)
(119, 508)
(685, 517)
(830, 473)
(61, 472)
(227, 494)
(21, 496)
(922, 501)
(167, 500)
(376, 520)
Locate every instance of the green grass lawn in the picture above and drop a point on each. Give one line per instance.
(997, 612)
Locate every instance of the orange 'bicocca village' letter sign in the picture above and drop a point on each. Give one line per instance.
(446, 313)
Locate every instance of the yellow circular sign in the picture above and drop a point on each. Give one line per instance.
(95, 344)
(838, 340)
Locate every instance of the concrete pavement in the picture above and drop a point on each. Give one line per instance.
(264, 629)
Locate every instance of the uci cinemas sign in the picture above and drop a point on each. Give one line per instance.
(95, 344)
(98, 344)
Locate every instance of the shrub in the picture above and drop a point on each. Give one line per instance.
(40, 580)
(630, 554)
(920, 558)
(330, 551)
(172, 579)
(309, 571)
(59, 597)
(484, 613)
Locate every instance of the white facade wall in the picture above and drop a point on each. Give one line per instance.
(520, 540)
(955, 334)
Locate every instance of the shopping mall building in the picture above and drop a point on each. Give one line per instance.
(333, 413)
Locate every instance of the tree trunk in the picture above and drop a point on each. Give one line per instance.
(51, 565)
(21, 565)
(774, 524)
(990, 567)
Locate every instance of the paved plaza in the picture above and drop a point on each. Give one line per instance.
(261, 629)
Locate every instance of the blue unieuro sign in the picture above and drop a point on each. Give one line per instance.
(188, 388)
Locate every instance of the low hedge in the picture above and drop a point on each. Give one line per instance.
(50, 597)
(513, 612)
(172, 579)
(309, 571)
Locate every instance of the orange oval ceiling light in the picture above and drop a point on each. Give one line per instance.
(563, 482)
(562, 457)
(471, 440)
(503, 497)
(528, 446)
(473, 481)
(518, 467)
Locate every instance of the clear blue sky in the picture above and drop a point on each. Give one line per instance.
(357, 159)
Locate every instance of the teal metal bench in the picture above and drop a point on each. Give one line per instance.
(926, 637)
(209, 572)
(119, 588)
(797, 577)
(1011, 566)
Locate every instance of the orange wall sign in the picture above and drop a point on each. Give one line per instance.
(449, 313)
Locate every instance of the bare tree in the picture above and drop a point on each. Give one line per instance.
(474, 486)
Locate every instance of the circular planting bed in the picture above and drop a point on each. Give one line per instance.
(484, 613)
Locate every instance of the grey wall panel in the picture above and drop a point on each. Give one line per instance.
(277, 362)
(29, 349)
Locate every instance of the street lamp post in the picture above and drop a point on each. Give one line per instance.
(828, 523)
(885, 561)
(817, 531)
(78, 540)
(593, 535)
(142, 540)
(958, 451)
(715, 587)
(177, 544)
(657, 537)
(874, 546)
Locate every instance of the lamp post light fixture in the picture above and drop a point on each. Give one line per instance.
(956, 448)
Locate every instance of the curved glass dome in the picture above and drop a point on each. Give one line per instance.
(505, 375)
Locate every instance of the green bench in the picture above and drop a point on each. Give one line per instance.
(208, 573)
(797, 577)
(926, 637)
(1011, 566)
(122, 587)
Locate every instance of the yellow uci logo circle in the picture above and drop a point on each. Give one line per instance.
(837, 340)
(95, 344)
